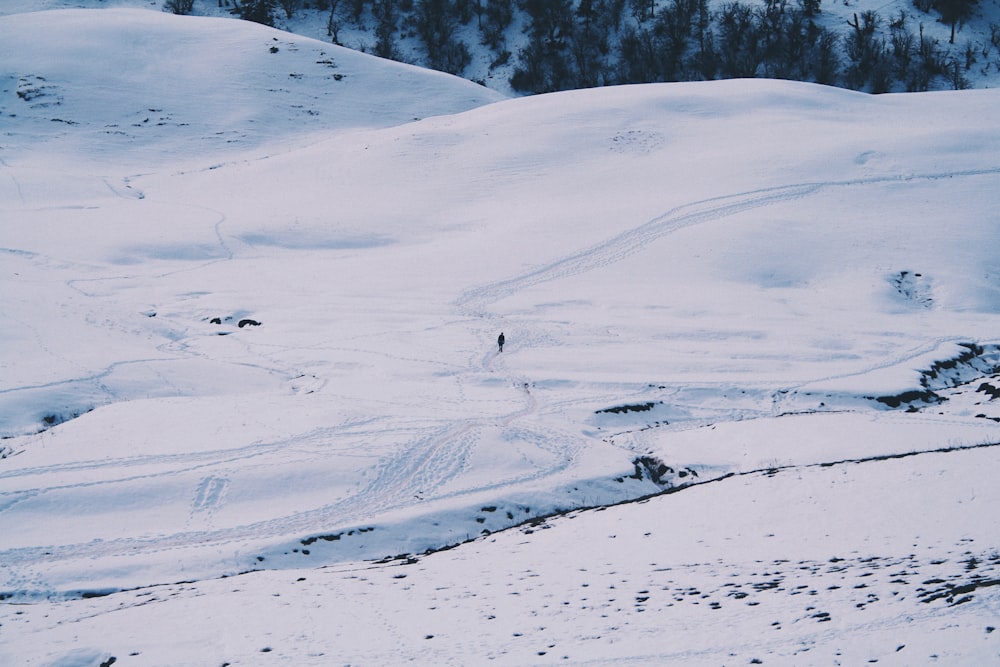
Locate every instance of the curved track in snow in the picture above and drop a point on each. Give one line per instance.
(709, 210)
(428, 459)
(477, 300)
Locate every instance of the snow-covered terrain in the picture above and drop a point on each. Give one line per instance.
(251, 394)
(976, 46)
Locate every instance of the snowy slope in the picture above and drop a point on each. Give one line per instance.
(118, 81)
(277, 353)
(891, 562)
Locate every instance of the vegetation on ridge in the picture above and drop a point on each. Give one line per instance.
(549, 45)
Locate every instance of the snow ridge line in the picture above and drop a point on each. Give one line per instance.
(538, 520)
(633, 240)
(21, 554)
(770, 471)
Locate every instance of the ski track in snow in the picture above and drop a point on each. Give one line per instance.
(627, 243)
(17, 184)
(414, 470)
(478, 299)
(210, 494)
(802, 607)
(424, 446)
(425, 463)
(619, 247)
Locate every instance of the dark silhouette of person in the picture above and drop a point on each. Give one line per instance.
(500, 341)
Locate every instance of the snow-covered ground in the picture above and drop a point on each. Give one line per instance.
(976, 47)
(251, 288)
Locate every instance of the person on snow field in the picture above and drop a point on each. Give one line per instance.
(500, 340)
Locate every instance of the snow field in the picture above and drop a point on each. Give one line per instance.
(252, 348)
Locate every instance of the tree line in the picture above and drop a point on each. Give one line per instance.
(586, 43)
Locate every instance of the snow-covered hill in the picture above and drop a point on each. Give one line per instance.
(111, 83)
(249, 345)
(623, 42)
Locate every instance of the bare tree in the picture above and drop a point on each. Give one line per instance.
(290, 6)
(180, 7)
(258, 11)
(497, 15)
(333, 22)
(385, 44)
(953, 12)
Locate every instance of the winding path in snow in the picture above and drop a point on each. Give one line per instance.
(617, 248)
(428, 458)
(477, 300)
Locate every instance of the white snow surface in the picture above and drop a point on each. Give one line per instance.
(250, 392)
